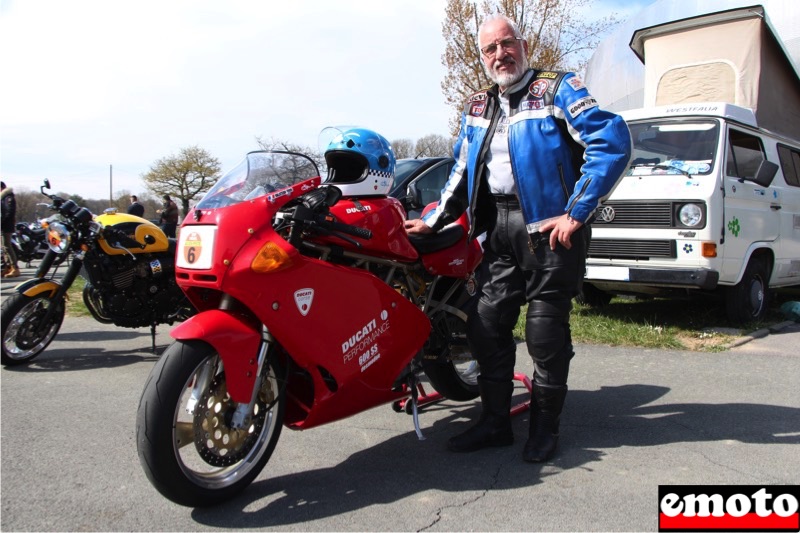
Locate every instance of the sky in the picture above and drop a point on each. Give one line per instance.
(94, 92)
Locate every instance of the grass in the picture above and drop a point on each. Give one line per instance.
(697, 324)
(75, 305)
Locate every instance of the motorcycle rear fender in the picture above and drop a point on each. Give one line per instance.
(35, 287)
(235, 339)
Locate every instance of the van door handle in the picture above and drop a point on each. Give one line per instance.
(775, 207)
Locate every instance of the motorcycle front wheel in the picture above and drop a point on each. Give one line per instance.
(187, 447)
(24, 333)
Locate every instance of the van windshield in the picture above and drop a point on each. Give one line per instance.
(673, 147)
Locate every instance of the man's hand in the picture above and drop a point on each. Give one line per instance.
(563, 227)
(417, 226)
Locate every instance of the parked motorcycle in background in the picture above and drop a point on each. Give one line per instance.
(129, 266)
(314, 305)
(29, 242)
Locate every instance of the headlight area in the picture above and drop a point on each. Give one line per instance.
(690, 215)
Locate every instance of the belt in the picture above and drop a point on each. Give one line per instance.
(509, 201)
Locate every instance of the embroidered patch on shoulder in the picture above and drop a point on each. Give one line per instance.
(547, 74)
(538, 88)
(477, 97)
(576, 83)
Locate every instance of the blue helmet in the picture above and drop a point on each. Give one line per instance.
(360, 163)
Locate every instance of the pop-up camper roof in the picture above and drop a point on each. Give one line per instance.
(729, 56)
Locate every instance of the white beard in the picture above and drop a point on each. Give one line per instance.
(508, 78)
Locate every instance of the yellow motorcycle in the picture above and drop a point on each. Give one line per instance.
(129, 267)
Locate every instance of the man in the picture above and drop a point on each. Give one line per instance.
(135, 208)
(169, 216)
(534, 156)
(8, 206)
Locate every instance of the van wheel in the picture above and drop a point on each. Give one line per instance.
(748, 300)
(593, 297)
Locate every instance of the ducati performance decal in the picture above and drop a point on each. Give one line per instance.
(362, 345)
(303, 299)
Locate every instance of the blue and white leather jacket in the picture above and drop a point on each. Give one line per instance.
(566, 153)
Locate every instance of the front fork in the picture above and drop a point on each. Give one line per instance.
(242, 413)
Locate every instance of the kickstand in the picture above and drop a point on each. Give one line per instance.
(153, 336)
(413, 382)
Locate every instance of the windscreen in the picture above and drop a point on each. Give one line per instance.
(258, 174)
(673, 147)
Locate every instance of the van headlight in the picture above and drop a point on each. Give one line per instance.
(690, 215)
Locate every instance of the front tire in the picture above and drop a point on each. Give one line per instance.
(748, 300)
(186, 445)
(24, 335)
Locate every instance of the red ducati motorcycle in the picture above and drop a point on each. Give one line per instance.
(313, 305)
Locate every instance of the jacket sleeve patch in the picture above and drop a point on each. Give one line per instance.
(581, 105)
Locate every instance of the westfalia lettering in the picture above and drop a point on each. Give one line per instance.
(728, 507)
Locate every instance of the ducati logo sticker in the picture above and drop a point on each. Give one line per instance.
(303, 299)
(192, 247)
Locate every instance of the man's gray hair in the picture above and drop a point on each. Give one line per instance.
(504, 18)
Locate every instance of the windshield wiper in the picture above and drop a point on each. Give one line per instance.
(662, 166)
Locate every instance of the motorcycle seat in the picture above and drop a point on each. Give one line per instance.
(426, 243)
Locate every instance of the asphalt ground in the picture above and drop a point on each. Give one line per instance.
(634, 419)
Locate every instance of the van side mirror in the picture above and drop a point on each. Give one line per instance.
(765, 173)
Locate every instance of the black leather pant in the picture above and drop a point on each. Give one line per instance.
(517, 269)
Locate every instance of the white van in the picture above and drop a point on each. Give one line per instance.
(711, 202)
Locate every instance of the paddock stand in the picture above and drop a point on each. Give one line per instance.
(423, 398)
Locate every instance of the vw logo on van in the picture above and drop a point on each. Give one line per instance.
(607, 214)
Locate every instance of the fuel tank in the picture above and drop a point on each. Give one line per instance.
(384, 217)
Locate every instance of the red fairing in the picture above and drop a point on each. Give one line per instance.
(384, 217)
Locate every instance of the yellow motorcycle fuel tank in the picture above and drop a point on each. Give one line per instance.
(136, 228)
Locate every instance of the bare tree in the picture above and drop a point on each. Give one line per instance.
(557, 39)
(278, 144)
(434, 146)
(184, 176)
(403, 148)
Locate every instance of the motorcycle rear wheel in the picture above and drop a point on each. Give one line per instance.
(23, 334)
(190, 453)
(454, 371)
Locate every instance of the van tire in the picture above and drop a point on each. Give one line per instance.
(593, 297)
(748, 300)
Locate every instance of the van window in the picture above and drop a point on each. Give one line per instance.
(790, 164)
(745, 154)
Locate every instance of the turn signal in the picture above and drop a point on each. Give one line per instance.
(709, 249)
(270, 258)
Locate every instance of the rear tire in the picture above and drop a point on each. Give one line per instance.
(448, 361)
(196, 458)
(748, 300)
(21, 319)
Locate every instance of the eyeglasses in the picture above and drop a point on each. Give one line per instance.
(491, 49)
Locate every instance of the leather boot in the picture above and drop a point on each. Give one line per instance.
(494, 425)
(546, 405)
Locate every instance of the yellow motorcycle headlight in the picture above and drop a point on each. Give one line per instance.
(58, 237)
